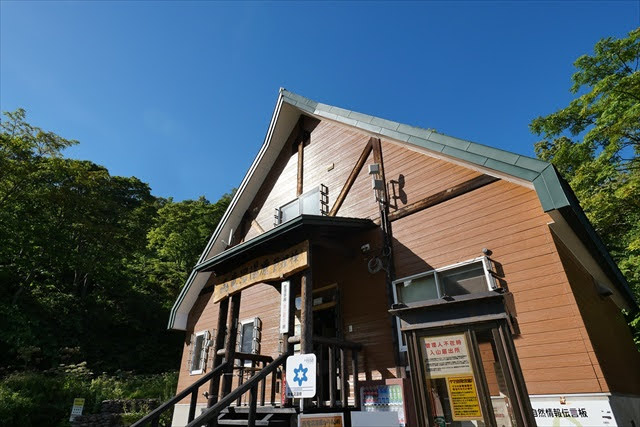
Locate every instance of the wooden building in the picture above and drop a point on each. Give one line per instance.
(437, 282)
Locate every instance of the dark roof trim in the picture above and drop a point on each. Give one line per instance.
(298, 223)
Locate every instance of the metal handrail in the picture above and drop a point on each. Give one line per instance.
(155, 414)
(251, 383)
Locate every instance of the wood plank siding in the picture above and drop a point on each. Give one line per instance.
(554, 301)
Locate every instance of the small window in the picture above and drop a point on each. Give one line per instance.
(468, 277)
(314, 202)
(249, 336)
(200, 343)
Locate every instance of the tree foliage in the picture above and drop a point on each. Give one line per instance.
(90, 263)
(595, 143)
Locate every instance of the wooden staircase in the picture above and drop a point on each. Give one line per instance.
(220, 412)
(249, 405)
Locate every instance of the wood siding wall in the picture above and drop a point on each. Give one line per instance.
(615, 358)
(556, 354)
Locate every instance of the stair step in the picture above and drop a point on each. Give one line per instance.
(268, 423)
(259, 410)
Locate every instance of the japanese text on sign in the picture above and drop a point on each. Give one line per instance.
(266, 268)
(325, 420)
(446, 355)
(463, 396)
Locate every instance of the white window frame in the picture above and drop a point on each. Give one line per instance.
(204, 351)
(256, 338)
(486, 264)
(323, 204)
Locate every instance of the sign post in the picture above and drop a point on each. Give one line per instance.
(301, 376)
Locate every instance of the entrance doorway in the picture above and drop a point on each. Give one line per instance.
(464, 367)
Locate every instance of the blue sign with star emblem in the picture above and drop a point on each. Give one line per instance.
(301, 376)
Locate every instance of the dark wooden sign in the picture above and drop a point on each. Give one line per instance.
(263, 269)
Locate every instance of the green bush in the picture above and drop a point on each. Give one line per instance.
(45, 398)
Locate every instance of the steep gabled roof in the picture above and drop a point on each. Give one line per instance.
(555, 195)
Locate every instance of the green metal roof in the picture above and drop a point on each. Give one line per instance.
(542, 174)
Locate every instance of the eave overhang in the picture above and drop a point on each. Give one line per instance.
(313, 228)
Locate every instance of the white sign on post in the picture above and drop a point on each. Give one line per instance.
(446, 355)
(301, 375)
(76, 410)
(284, 307)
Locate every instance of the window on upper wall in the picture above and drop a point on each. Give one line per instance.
(464, 278)
(249, 336)
(198, 350)
(313, 202)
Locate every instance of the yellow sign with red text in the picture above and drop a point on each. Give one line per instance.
(465, 405)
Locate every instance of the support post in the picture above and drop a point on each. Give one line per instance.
(214, 385)
(306, 321)
(230, 343)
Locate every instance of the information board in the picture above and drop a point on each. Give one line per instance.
(76, 410)
(320, 420)
(446, 355)
(465, 405)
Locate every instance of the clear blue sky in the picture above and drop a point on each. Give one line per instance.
(180, 94)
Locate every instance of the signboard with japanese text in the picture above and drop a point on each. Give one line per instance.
(262, 269)
(320, 420)
(580, 411)
(301, 375)
(465, 405)
(284, 306)
(446, 355)
(76, 410)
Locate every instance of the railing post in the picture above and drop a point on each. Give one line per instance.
(274, 380)
(354, 368)
(192, 405)
(155, 422)
(321, 375)
(332, 376)
(253, 398)
(343, 378)
(263, 386)
(240, 380)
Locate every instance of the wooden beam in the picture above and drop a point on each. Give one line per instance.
(377, 158)
(352, 178)
(306, 321)
(442, 196)
(230, 342)
(300, 165)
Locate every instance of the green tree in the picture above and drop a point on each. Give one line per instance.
(595, 144)
(176, 240)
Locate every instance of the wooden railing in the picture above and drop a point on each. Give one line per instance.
(334, 369)
(251, 386)
(154, 417)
